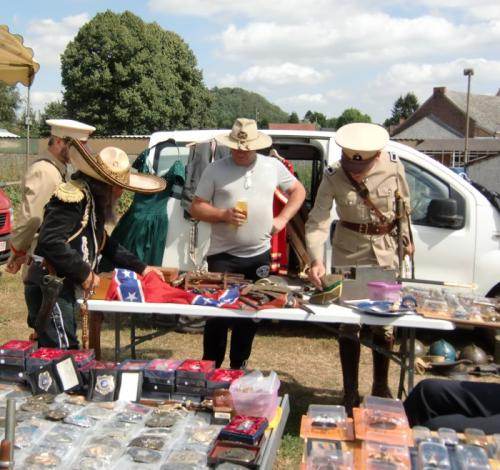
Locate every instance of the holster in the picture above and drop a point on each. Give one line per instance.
(35, 274)
(50, 286)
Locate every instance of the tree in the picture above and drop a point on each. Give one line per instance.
(293, 118)
(231, 103)
(9, 103)
(53, 110)
(403, 108)
(352, 115)
(315, 118)
(125, 76)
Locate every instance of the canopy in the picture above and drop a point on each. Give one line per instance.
(16, 60)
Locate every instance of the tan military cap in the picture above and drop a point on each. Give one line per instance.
(70, 128)
(361, 141)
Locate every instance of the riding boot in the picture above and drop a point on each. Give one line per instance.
(380, 387)
(349, 358)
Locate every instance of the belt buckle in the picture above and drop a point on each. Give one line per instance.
(363, 229)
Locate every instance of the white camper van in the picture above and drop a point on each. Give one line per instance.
(460, 244)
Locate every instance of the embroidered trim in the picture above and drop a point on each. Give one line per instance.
(69, 192)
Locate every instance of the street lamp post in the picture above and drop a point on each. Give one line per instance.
(468, 73)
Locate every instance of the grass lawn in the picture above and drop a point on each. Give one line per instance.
(304, 356)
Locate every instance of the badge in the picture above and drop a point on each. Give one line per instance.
(45, 381)
(105, 384)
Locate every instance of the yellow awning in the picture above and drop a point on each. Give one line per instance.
(16, 60)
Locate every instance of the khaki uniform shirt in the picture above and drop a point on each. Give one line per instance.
(39, 184)
(351, 248)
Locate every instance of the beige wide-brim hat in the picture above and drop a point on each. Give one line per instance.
(69, 128)
(245, 136)
(361, 141)
(112, 166)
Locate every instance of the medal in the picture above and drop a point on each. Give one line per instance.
(105, 384)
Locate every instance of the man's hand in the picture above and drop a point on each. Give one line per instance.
(279, 223)
(91, 283)
(316, 272)
(234, 216)
(409, 249)
(15, 262)
(153, 269)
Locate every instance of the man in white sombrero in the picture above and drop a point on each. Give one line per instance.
(235, 194)
(73, 236)
(363, 185)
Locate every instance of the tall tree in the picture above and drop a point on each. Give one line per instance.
(315, 117)
(293, 118)
(125, 76)
(352, 115)
(231, 103)
(403, 108)
(9, 103)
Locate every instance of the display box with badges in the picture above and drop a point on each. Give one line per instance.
(103, 384)
(43, 380)
(161, 371)
(246, 429)
(133, 364)
(195, 369)
(82, 356)
(67, 374)
(17, 348)
(160, 391)
(43, 356)
(240, 454)
(18, 361)
(87, 368)
(191, 386)
(15, 374)
(222, 378)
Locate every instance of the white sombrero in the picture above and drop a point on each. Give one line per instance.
(112, 166)
(361, 141)
(245, 136)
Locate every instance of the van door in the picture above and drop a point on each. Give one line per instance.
(443, 224)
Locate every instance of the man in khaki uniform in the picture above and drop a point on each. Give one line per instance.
(39, 184)
(365, 234)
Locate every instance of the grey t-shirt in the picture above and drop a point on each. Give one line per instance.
(224, 182)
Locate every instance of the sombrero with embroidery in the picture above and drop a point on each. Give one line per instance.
(361, 141)
(245, 136)
(112, 166)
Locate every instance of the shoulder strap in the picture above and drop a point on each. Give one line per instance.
(45, 159)
(364, 194)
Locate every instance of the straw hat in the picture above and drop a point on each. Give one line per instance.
(361, 141)
(68, 128)
(245, 136)
(112, 166)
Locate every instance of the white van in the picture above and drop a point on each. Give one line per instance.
(458, 241)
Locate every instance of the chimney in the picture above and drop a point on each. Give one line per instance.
(439, 91)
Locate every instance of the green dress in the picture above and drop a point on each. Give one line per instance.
(143, 228)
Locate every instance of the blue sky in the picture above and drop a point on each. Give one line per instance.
(320, 55)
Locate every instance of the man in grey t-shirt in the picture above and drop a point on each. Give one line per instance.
(235, 195)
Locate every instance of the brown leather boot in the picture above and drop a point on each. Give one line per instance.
(349, 358)
(380, 387)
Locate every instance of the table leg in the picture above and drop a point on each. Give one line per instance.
(117, 336)
(411, 359)
(403, 356)
(95, 324)
(132, 336)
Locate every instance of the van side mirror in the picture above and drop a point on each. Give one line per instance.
(444, 213)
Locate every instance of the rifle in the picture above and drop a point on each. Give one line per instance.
(50, 286)
(399, 231)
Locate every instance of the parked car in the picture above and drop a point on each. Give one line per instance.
(5, 226)
(461, 246)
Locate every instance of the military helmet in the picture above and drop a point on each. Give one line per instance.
(475, 354)
(444, 349)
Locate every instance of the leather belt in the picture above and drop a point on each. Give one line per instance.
(369, 229)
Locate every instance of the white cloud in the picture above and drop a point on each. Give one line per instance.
(39, 99)
(302, 101)
(49, 38)
(274, 75)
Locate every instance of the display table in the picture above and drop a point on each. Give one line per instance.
(331, 314)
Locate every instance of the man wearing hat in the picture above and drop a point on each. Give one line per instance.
(363, 184)
(240, 239)
(39, 183)
(72, 235)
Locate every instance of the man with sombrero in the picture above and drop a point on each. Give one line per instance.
(363, 185)
(73, 236)
(240, 239)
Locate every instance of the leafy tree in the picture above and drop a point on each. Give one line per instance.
(231, 103)
(34, 120)
(315, 118)
(331, 123)
(9, 103)
(352, 115)
(53, 110)
(403, 108)
(123, 75)
(293, 118)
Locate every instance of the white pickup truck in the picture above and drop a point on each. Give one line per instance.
(458, 240)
